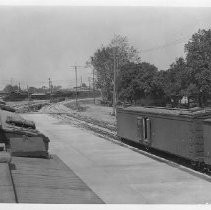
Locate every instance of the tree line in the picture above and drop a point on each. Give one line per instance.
(14, 89)
(140, 82)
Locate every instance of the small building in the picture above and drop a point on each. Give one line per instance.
(2, 94)
(39, 96)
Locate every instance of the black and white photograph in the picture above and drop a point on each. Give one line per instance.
(105, 104)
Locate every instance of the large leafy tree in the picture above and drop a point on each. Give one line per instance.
(118, 52)
(159, 85)
(176, 81)
(135, 81)
(189, 76)
(102, 61)
(198, 56)
(10, 88)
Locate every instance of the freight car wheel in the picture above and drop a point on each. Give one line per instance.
(202, 167)
(208, 169)
(196, 165)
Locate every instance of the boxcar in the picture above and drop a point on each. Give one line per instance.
(176, 131)
(207, 141)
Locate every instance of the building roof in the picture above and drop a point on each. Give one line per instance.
(38, 94)
(170, 111)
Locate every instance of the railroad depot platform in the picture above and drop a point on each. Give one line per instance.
(36, 180)
(117, 174)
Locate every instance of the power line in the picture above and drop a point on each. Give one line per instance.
(75, 67)
(175, 42)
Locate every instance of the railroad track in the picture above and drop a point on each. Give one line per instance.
(59, 111)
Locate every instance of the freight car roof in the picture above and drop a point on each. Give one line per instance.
(194, 112)
(207, 120)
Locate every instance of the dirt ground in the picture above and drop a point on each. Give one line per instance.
(27, 106)
(86, 113)
(93, 111)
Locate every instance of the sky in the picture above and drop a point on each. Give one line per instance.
(38, 42)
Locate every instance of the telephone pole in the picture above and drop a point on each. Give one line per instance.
(51, 88)
(114, 88)
(49, 83)
(89, 87)
(93, 77)
(76, 88)
(76, 82)
(19, 87)
(28, 92)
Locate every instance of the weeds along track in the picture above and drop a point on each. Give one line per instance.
(59, 111)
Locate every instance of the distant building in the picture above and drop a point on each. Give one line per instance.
(2, 93)
(40, 96)
(81, 88)
(184, 100)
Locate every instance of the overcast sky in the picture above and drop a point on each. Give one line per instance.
(41, 42)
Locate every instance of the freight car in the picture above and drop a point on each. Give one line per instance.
(182, 132)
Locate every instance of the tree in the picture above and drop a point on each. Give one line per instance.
(84, 85)
(57, 88)
(135, 81)
(176, 81)
(118, 51)
(124, 51)
(10, 88)
(32, 90)
(198, 56)
(102, 61)
(158, 85)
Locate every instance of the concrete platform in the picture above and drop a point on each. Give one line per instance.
(117, 174)
(7, 194)
(44, 181)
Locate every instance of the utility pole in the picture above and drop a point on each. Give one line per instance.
(93, 85)
(49, 83)
(19, 87)
(76, 88)
(76, 83)
(28, 92)
(51, 87)
(114, 88)
(89, 87)
(28, 95)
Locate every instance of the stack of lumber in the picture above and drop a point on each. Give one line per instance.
(20, 122)
(2, 102)
(21, 137)
(6, 108)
